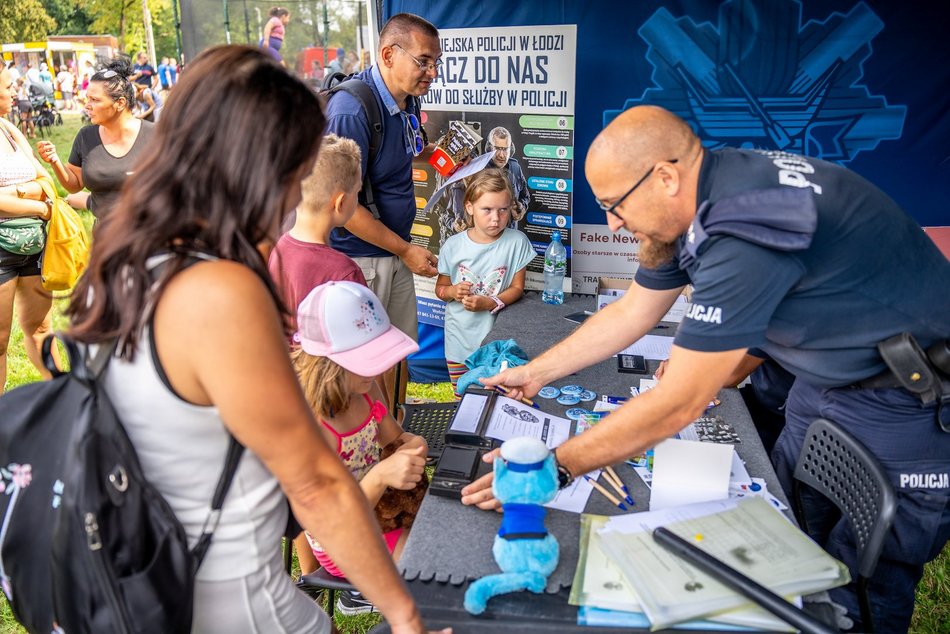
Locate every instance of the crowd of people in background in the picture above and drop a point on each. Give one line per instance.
(36, 89)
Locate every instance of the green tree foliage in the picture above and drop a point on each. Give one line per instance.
(24, 21)
(123, 19)
(71, 19)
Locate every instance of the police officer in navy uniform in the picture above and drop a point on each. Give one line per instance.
(802, 259)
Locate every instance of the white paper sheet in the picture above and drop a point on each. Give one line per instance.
(511, 419)
(686, 472)
(574, 498)
(675, 314)
(638, 522)
(651, 347)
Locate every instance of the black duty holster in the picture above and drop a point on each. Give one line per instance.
(926, 374)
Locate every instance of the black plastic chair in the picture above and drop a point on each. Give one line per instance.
(313, 584)
(321, 580)
(430, 420)
(837, 465)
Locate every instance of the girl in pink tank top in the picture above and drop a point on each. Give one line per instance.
(346, 341)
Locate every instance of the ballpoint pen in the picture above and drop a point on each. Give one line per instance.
(618, 484)
(607, 494)
(526, 401)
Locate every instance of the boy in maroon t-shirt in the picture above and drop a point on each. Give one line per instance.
(302, 259)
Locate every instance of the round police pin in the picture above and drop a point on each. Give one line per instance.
(549, 391)
(573, 390)
(587, 395)
(568, 399)
(575, 413)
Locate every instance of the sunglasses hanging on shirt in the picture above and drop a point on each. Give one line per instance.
(414, 137)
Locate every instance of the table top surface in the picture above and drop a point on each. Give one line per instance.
(451, 544)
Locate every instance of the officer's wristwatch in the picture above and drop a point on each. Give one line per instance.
(564, 476)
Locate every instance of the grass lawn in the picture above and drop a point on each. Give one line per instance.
(931, 616)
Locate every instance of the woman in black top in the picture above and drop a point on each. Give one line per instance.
(104, 153)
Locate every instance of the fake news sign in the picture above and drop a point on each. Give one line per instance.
(527, 69)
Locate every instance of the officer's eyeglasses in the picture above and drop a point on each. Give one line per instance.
(423, 66)
(414, 134)
(611, 209)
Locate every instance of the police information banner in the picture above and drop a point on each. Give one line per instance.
(825, 78)
(513, 87)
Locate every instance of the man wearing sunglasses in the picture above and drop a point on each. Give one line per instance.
(807, 262)
(408, 62)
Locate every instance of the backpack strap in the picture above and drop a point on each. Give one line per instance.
(360, 91)
(231, 461)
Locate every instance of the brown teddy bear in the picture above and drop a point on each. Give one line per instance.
(397, 508)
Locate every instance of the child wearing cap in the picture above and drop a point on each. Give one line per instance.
(345, 341)
(303, 259)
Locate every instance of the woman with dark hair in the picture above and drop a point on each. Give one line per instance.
(105, 152)
(176, 279)
(274, 32)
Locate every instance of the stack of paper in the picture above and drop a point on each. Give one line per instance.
(748, 535)
(607, 599)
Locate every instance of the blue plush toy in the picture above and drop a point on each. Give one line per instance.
(525, 478)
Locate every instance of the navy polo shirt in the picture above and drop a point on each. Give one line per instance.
(390, 173)
(820, 310)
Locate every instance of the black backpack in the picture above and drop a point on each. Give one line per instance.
(85, 541)
(336, 82)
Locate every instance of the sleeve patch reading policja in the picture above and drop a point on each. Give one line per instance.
(707, 314)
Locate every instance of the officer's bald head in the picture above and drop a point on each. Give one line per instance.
(643, 168)
(642, 136)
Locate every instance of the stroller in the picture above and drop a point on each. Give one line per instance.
(45, 114)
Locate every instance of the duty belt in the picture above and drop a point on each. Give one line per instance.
(926, 375)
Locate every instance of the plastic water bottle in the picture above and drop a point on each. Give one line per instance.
(555, 266)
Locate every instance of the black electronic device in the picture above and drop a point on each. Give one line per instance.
(465, 444)
(578, 318)
(631, 363)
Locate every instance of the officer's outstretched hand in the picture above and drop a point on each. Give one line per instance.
(420, 261)
(479, 493)
(519, 382)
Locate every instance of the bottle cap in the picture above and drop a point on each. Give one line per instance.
(556, 236)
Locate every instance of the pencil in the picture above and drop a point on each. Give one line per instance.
(526, 401)
(607, 494)
(618, 484)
